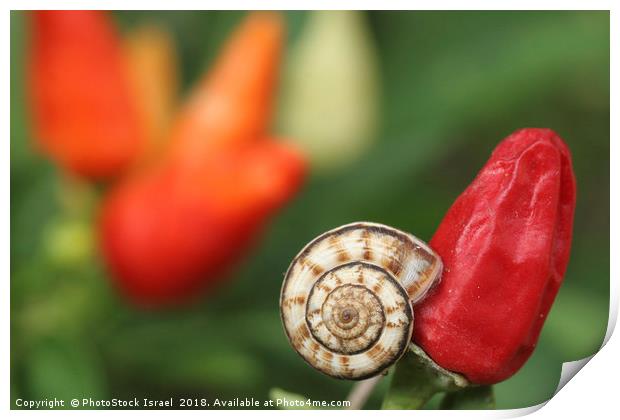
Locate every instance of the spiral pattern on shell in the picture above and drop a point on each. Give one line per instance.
(346, 301)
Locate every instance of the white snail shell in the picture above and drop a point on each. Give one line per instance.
(346, 301)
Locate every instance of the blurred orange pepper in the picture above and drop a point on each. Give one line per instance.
(151, 64)
(232, 104)
(84, 115)
(172, 231)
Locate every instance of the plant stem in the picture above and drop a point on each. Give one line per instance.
(361, 391)
(472, 398)
(416, 379)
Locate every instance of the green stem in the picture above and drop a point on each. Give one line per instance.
(472, 398)
(417, 378)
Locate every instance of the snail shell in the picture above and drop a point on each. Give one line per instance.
(346, 301)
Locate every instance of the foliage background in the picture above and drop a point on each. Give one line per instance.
(454, 84)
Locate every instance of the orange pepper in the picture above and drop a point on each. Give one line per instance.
(176, 229)
(232, 104)
(150, 59)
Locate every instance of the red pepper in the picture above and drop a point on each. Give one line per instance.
(167, 236)
(83, 110)
(505, 245)
(178, 228)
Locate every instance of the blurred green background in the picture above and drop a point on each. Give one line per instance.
(453, 85)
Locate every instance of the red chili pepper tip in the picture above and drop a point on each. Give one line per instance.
(505, 245)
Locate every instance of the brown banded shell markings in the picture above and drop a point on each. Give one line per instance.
(346, 298)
